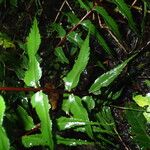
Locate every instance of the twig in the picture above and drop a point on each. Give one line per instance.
(117, 41)
(32, 89)
(127, 108)
(61, 7)
(125, 146)
(139, 9)
(133, 2)
(74, 27)
(69, 7)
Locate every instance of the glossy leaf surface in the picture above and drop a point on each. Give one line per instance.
(72, 142)
(26, 120)
(40, 103)
(144, 101)
(68, 123)
(4, 141)
(75, 107)
(33, 140)
(125, 11)
(72, 78)
(75, 38)
(89, 102)
(33, 74)
(107, 78)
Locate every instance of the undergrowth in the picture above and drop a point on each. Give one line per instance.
(69, 83)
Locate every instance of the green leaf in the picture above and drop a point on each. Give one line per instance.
(138, 127)
(106, 120)
(75, 38)
(68, 123)
(89, 101)
(33, 140)
(33, 40)
(85, 5)
(60, 55)
(33, 74)
(4, 141)
(125, 11)
(26, 120)
(5, 41)
(88, 25)
(75, 107)
(107, 78)
(143, 101)
(41, 104)
(2, 109)
(59, 29)
(110, 22)
(72, 142)
(72, 78)
(72, 18)
(147, 82)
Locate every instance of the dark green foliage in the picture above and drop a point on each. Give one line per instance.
(138, 127)
(70, 75)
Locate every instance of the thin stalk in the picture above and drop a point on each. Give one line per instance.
(74, 27)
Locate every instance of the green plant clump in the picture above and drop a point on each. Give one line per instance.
(70, 82)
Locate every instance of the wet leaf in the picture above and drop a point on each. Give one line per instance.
(89, 102)
(33, 74)
(61, 55)
(75, 38)
(75, 107)
(138, 127)
(72, 78)
(26, 120)
(143, 101)
(107, 78)
(2, 109)
(125, 11)
(5, 41)
(41, 104)
(33, 40)
(60, 30)
(68, 123)
(4, 141)
(72, 142)
(110, 22)
(33, 140)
